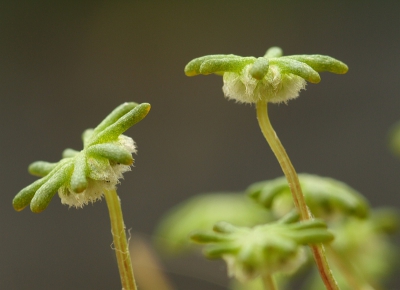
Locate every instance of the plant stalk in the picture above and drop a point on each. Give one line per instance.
(295, 188)
(269, 282)
(120, 241)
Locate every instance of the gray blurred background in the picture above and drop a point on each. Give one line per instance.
(64, 65)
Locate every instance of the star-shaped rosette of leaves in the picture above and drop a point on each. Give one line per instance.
(326, 197)
(263, 249)
(82, 176)
(273, 78)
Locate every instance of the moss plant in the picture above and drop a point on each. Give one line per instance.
(85, 176)
(273, 78)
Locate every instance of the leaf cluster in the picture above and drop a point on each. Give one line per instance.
(86, 173)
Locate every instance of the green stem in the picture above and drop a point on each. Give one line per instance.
(120, 242)
(294, 184)
(269, 282)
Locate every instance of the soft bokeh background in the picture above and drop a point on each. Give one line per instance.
(64, 66)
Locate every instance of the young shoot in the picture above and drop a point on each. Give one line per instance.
(273, 78)
(85, 176)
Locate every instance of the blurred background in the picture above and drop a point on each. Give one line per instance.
(65, 65)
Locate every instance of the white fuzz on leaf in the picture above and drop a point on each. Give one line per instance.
(275, 87)
(103, 175)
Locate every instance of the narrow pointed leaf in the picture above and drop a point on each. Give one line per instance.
(41, 168)
(24, 197)
(322, 63)
(112, 132)
(193, 67)
(117, 113)
(225, 65)
(206, 237)
(78, 178)
(46, 192)
(312, 236)
(298, 68)
(68, 153)
(112, 152)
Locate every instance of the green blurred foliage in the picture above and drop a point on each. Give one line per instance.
(201, 212)
(366, 249)
(326, 197)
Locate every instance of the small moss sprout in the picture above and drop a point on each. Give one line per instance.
(85, 176)
(82, 176)
(271, 78)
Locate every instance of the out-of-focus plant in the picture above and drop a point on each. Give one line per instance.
(201, 212)
(327, 198)
(263, 250)
(394, 139)
(362, 253)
